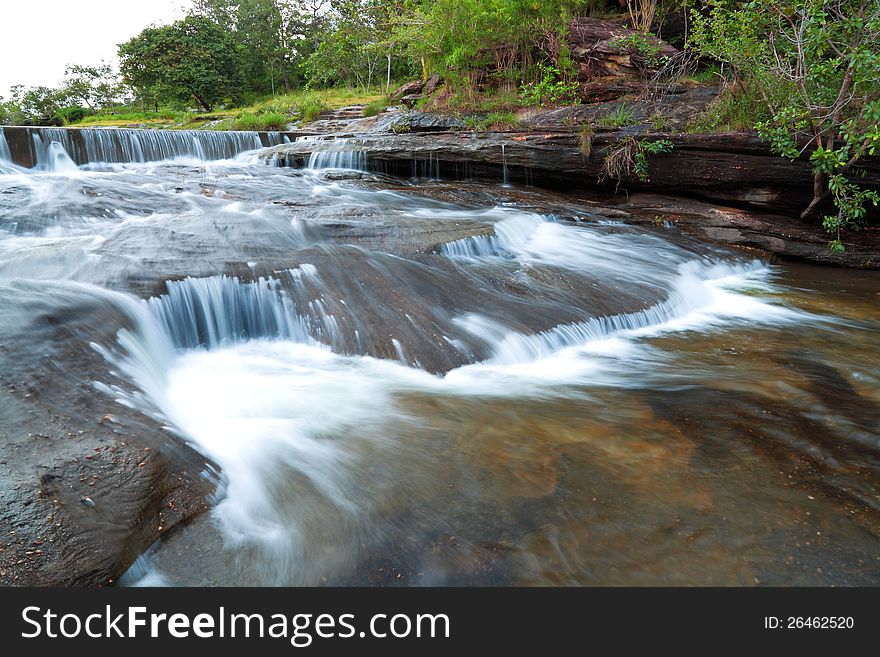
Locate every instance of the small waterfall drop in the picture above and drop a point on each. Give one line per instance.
(504, 162)
(5, 154)
(58, 160)
(210, 312)
(339, 154)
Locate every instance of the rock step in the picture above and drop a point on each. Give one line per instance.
(349, 112)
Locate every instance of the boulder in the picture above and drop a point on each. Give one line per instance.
(431, 85)
(415, 121)
(411, 99)
(408, 89)
(597, 54)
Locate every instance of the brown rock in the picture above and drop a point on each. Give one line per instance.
(727, 168)
(593, 48)
(408, 89)
(431, 85)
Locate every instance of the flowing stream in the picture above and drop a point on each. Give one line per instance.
(414, 383)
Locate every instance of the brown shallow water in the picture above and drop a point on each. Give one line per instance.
(736, 455)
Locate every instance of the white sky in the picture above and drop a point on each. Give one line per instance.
(39, 38)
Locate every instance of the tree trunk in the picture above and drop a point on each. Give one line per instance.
(205, 106)
(820, 193)
(388, 77)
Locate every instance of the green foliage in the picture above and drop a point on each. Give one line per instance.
(475, 123)
(710, 74)
(646, 148)
(467, 101)
(376, 107)
(273, 37)
(503, 121)
(191, 59)
(851, 202)
(552, 89)
(658, 121)
(496, 121)
(309, 107)
(97, 87)
(645, 46)
(127, 118)
(72, 114)
(629, 157)
(455, 37)
(240, 51)
(267, 121)
(620, 117)
(737, 108)
(351, 46)
(815, 67)
(36, 105)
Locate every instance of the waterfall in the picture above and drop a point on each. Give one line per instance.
(479, 246)
(5, 155)
(120, 145)
(338, 155)
(509, 237)
(210, 312)
(504, 161)
(57, 158)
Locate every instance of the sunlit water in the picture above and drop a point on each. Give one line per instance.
(400, 390)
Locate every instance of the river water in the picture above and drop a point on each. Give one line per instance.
(424, 384)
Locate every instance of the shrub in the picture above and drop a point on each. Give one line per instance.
(585, 139)
(376, 107)
(309, 107)
(552, 89)
(265, 121)
(73, 114)
(620, 117)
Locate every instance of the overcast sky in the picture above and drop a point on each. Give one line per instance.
(39, 38)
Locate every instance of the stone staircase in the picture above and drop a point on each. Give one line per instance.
(337, 120)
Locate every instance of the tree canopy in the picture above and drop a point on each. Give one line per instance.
(193, 58)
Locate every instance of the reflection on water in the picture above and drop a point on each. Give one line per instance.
(400, 390)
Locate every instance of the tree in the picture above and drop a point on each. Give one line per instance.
(816, 66)
(193, 58)
(95, 86)
(350, 43)
(458, 36)
(36, 105)
(275, 36)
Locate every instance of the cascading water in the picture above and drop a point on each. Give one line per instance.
(112, 145)
(337, 154)
(398, 389)
(212, 312)
(5, 154)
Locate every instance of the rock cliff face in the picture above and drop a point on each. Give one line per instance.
(735, 168)
(606, 67)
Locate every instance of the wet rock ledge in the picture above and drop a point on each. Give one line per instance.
(735, 171)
